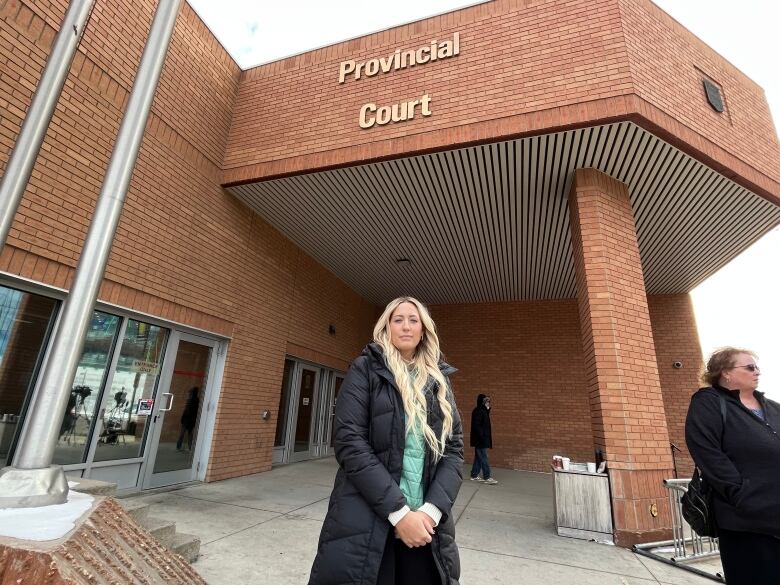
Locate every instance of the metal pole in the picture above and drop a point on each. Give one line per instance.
(36, 121)
(37, 443)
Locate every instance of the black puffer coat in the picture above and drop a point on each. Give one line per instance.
(481, 435)
(369, 444)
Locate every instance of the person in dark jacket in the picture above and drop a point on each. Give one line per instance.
(399, 446)
(482, 440)
(189, 417)
(738, 453)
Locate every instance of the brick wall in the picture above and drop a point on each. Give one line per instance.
(525, 67)
(185, 250)
(509, 64)
(676, 339)
(668, 65)
(528, 357)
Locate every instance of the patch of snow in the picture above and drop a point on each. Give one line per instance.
(46, 522)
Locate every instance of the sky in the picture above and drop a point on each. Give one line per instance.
(737, 305)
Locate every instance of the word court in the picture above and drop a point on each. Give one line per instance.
(371, 114)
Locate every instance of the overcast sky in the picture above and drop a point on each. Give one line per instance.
(736, 306)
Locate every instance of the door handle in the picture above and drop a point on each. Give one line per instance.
(170, 402)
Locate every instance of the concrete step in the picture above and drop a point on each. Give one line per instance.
(92, 486)
(138, 510)
(187, 546)
(163, 530)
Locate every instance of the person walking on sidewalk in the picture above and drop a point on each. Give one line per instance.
(481, 440)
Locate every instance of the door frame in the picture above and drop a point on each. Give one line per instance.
(147, 478)
(321, 421)
(294, 456)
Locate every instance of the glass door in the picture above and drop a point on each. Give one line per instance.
(305, 396)
(176, 411)
(304, 419)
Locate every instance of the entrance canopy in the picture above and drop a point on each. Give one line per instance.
(491, 223)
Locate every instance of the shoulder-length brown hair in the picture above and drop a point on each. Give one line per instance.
(721, 360)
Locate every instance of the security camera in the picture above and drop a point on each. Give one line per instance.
(677, 365)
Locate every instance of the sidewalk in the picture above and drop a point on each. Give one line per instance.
(264, 529)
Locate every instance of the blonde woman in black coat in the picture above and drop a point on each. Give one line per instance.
(737, 450)
(399, 445)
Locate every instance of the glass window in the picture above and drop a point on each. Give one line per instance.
(123, 429)
(77, 423)
(25, 321)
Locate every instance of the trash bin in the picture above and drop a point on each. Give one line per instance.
(583, 508)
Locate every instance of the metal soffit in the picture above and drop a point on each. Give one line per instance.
(491, 223)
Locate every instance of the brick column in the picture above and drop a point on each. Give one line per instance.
(676, 341)
(626, 405)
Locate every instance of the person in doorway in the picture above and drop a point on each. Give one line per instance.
(399, 446)
(481, 440)
(189, 417)
(732, 434)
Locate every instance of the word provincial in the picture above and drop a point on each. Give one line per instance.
(400, 59)
(372, 114)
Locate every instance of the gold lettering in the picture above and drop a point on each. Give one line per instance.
(386, 65)
(401, 59)
(407, 59)
(426, 105)
(383, 115)
(344, 68)
(372, 67)
(364, 120)
(399, 112)
(371, 115)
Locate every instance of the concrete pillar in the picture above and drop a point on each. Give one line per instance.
(626, 404)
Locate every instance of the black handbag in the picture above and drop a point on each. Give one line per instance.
(697, 508)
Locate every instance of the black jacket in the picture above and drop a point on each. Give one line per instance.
(481, 433)
(369, 444)
(741, 460)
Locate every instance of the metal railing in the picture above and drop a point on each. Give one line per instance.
(686, 545)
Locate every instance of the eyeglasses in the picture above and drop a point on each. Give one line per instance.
(750, 368)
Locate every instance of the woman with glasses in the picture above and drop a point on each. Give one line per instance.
(732, 434)
(399, 446)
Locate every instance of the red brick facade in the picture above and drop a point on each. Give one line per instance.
(525, 67)
(528, 357)
(567, 376)
(676, 340)
(185, 251)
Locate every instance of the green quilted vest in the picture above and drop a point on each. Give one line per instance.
(412, 474)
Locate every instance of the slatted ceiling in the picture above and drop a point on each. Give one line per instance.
(491, 222)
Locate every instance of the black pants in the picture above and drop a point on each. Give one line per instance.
(749, 558)
(402, 565)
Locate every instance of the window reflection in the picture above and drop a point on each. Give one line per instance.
(84, 399)
(123, 431)
(25, 321)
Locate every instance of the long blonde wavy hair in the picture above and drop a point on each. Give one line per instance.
(424, 365)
